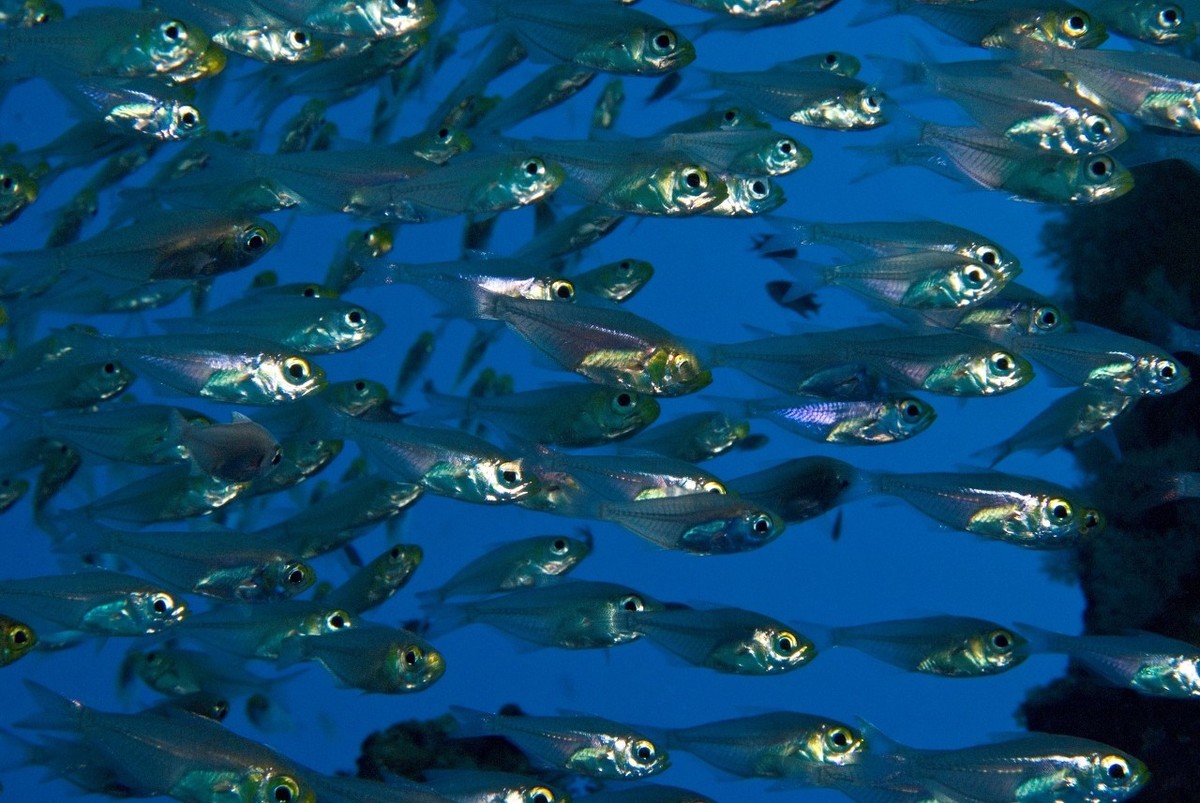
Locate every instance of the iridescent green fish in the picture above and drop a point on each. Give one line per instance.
(1159, 22)
(809, 97)
(259, 631)
(948, 646)
(169, 495)
(1106, 360)
(592, 746)
(372, 658)
(888, 419)
(16, 639)
(525, 563)
(693, 438)
(376, 583)
(99, 602)
(615, 281)
(1009, 23)
(701, 524)
(730, 640)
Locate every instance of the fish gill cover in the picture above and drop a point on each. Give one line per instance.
(305, 272)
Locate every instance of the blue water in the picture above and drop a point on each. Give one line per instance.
(890, 562)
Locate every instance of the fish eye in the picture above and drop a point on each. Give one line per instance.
(1046, 318)
(188, 116)
(298, 38)
(412, 656)
(713, 487)
(664, 41)
(1170, 17)
(1098, 126)
(1075, 25)
(730, 115)
(786, 146)
(7, 183)
(540, 794)
(510, 474)
(1166, 371)
(762, 525)
(559, 546)
(355, 318)
(1001, 640)
(152, 657)
(563, 289)
(838, 737)
(310, 291)
(297, 576)
(632, 603)
(297, 368)
(911, 409)
(286, 790)
(831, 59)
(110, 368)
(696, 179)
(987, 255)
(1002, 363)
(644, 751)
(174, 30)
(534, 167)
(256, 238)
(684, 369)
(443, 133)
(1060, 509)
(1101, 167)
(277, 457)
(161, 603)
(622, 401)
(870, 104)
(975, 276)
(1115, 767)
(1092, 520)
(759, 189)
(20, 636)
(625, 266)
(337, 620)
(785, 643)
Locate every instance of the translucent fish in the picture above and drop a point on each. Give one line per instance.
(371, 658)
(601, 36)
(948, 646)
(615, 281)
(98, 602)
(1109, 361)
(592, 746)
(240, 451)
(744, 150)
(376, 583)
(747, 196)
(562, 415)
(1009, 23)
(373, 19)
(1013, 312)
(608, 105)
(1159, 22)
(471, 287)
(415, 361)
(730, 640)
(260, 631)
(702, 524)
(524, 563)
(575, 483)
(883, 420)
(159, 755)
(650, 793)
(694, 437)
(1081, 412)
(573, 614)
(228, 566)
(16, 639)
(178, 672)
(555, 85)
(815, 98)
(781, 744)
(1145, 662)
(18, 189)
(74, 382)
(139, 106)
(1017, 510)
(801, 488)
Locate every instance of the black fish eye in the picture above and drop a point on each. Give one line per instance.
(171, 31)
(644, 753)
(1167, 371)
(7, 182)
(692, 179)
(831, 59)
(160, 605)
(665, 40)
(296, 577)
(20, 635)
(337, 621)
(759, 187)
(282, 794)
(731, 115)
(632, 603)
(1169, 16)
(785, 644)
(912, 410)
(1117, 770)
(624, 266)
(275, 458)
(310, 292)
(1100, 127)
(297, 369)
(540, 797)
(1076, 23)
(1091, 519)
(360, 386)
(1048, 318)
(299, 38)
(1099, 167)
(975, 275)
(533, 167)
(559, 546)
(989, 257)
(443, 133)
(785, 146)
(411, 656)
(354, 316)
(564, 290)
(509, 476)
(839, 738)
(624, 400)
(1001, 362)
(152, 657)
(188, 118)
(1001, 641)
(761, 525)
(1060, 511)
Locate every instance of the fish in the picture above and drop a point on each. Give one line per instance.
(1024, 511)
(1148, 663)
(95, 602)
(378, 581)
(572, 614)
(946, 646)
(179, 672)
(701, 524)
(18, 639)
(260, 631)
(525, 563)
(229, 566)
(810, 97)
(371, 658)
(615, 281)
(173, 493)
(1155, 21)
(729, 640)
(1082, 412)
(1098, 358)
(889, 419)
(1009, 23)
(240, 451)
(176, 755)
(561, 415)
(693, 438)
(803, 487)
(588, 745)
(477, 786)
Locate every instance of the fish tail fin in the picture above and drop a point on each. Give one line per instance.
(1041, 640)
(57, 712)
(730, 405)
(709, 353)
(877, 9)
(444, 617)
(1180, 338)
(823, 637)
(472, 723)
(291, 651)
(992, 455)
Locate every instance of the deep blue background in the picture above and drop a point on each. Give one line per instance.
(891, 562)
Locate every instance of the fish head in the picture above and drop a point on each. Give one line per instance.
(1168, 675)
(497, 480)
(1112, 776)
(250, 240)
(346, 327)
(1162, 23)
(281, 787)
(854, 110)
(319, 623)
(1044, 319)
(163, 47)
(18, 189)
(1158, 375)
(288, 377)
(442, 145)
(785, 155)
(272, 44)
(768, 650)
(388, 19)
(643, 51)
(1073, 28)
(16, 639)
(559, 554)
(530, 179)
(623, 412)
(355, 397)
(101, 381)
(830, 742)
(620, 756)
(1098, 179)
(992, 374)
(904, 417)
(992, 651)
(749, 196)
(152, 611)
(680, 189)
(621, 280)
(412, 666)
(674, 371)
(289, 578)
(735, 527)
(208, 62)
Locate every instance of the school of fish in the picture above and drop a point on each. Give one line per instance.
(176, 415)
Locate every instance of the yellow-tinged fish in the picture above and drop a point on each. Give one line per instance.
(99, 602)
(373, 658)
(1098, 358)
(16, 639)
(730, 640)
(376, 583)
(525, 563)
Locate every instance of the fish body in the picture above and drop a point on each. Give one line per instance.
(814, 98)
(1011, 23)
(261, 631)
(588, 745)
(702, 524)
(729, 640)
(174, 493)
(885, 420)
(378, 581)
(240, 451)
(574, 614)
(948, 646)
(801, 488)
(1017, 510)
(377, 659)
(103, 603)
(524, 563)
(1013, 312)
(695, 437)
(1084, 411)
(1105, 360)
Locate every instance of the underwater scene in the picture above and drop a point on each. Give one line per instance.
(536, 400)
